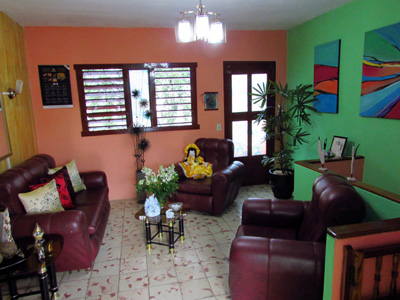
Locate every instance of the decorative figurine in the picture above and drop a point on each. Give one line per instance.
(170, 214)
(321, 154)
(194, 165)
(8, 249)
(38, 236)
(7, 227)
(353, 158)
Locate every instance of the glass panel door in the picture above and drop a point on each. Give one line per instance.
(240, 78)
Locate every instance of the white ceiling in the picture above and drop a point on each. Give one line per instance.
(239, 14)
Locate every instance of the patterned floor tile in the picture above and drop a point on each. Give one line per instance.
(166, 292)
(125, 269)
(103, 285)
(196, 289)
(136, 280)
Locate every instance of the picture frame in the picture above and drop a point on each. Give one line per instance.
(338, 145)
(326, 77)
(211, 100)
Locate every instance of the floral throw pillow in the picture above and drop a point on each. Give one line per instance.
(62, 188)
(43, 199)
(73, 172)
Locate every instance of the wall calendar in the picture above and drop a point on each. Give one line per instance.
(55, 85)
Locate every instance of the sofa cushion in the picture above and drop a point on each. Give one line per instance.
(73, 172)
(92, 203)
(267, 232)
(43, 199)
(199, 186)
(62, 188)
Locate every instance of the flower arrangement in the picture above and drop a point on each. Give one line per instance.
(162, 184)
(137, 129)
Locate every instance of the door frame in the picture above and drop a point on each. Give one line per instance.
(247, 67)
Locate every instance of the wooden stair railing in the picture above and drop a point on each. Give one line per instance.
(353, 267)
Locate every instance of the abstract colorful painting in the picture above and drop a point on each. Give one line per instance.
(380, 92)
(326, 76)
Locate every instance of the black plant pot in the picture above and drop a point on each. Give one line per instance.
(141, 196)
(282, 184)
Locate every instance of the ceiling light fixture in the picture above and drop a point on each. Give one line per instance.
(201, 25)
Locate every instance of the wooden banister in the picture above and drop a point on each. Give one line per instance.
(353, 268)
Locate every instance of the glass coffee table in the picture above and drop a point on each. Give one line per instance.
(17, 268)
(164, 224)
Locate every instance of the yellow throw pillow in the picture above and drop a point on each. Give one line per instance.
(43, 199)
(73, 172)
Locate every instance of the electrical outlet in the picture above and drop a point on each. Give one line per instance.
(219, 127)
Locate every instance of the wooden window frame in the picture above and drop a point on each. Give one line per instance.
(127, 95)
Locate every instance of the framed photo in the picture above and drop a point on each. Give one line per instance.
(338, 145)
(211, 100)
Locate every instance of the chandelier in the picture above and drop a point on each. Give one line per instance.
(200, 25)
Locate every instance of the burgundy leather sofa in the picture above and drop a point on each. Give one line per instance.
(279, 250)
(82, 228)
(212, 194)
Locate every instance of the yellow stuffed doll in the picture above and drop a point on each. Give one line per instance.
(194, 165)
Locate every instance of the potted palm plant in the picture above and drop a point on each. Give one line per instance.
(284, 125)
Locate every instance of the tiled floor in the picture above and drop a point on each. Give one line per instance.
(124, 269)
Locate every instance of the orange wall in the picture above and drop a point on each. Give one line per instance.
(369, 241)
(59, 130)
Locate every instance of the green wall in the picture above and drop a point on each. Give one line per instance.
(377, 207)
(379, 139)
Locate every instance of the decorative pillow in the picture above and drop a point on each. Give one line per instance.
(62, 188)
(67, 179)
(73, 172)
(43, 199)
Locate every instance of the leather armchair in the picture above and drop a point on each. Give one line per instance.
(212, 194)
(279, 250)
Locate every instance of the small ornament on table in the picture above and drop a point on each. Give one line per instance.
(7, 226)
(38, 236)
(8, 247)
(170, 214)
(353, 158)
(152, 207)
(321, 154)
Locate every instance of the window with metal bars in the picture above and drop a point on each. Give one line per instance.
(111, 97)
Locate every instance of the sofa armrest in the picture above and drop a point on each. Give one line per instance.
(69, 222)
(227, 174)
(94, 179)
(273, 269)
(179, 170)
(225, 186)
(71, 225)
(273, 212)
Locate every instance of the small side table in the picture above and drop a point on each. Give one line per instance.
(17, 268)
(164, 225)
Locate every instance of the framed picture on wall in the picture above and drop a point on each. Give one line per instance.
(211, 100)
(338, 145)
(326, 77)
(381, 74)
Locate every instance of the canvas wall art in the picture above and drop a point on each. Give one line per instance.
(326, 76)
(380, 92)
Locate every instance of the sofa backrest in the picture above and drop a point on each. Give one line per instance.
(334, 202)
(17, 180)
(218, 152)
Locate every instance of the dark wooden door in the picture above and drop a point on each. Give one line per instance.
(240, 112)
